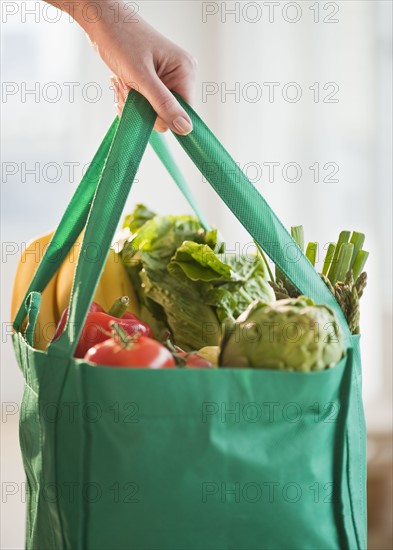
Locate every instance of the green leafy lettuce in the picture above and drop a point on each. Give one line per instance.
(185, 281)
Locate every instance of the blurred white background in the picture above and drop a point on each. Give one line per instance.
(331, 103)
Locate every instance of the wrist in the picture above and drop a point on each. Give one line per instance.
(88, 13)
(105, 18)
(73, 7)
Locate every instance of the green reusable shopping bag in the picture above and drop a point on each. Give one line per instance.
(183, 459)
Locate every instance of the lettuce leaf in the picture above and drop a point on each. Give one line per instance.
(198, 262)
(186, 282)
(138, 217)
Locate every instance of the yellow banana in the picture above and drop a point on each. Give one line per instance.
(48, 316)
(114, 282)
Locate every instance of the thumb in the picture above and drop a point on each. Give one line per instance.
(166, 106)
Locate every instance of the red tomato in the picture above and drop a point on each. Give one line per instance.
(144, 352)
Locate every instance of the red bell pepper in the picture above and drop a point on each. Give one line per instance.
(97, 327)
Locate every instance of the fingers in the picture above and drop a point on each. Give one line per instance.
(121, 91)
(120, 94)
(183, 79)
(168, 109)
(160, 125)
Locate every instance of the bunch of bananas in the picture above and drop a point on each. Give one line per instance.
(114, 282)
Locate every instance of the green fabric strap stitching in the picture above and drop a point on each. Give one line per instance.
(33, 302)
(125, 154)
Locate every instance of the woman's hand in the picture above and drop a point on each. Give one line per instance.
(140, 58)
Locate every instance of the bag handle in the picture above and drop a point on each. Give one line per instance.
(125, 154)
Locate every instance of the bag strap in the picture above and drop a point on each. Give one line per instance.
(125, 154)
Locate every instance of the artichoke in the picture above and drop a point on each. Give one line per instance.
(292, 334)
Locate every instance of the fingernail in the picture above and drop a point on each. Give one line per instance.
(182, 125)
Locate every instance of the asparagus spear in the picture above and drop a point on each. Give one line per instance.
(298, 236)
(359, 263)
(342, 272)
(311, 252)
(357, 239)
(348, 294)
(343, 263)
(328, 258)
(343, 238)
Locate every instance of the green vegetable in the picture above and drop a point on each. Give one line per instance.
(186, 281)
(292, 334)
(348, 294)
(343, 238)
(198, 262)
(119, 307)
(311, 252)
(139, 216)
(343, 263)
(342, 272)
(359, 263)
(282, 283)
(357, 239)
(297, 234)
(328, 258)
(345, 277)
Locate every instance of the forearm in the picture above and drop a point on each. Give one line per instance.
(88, 13)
